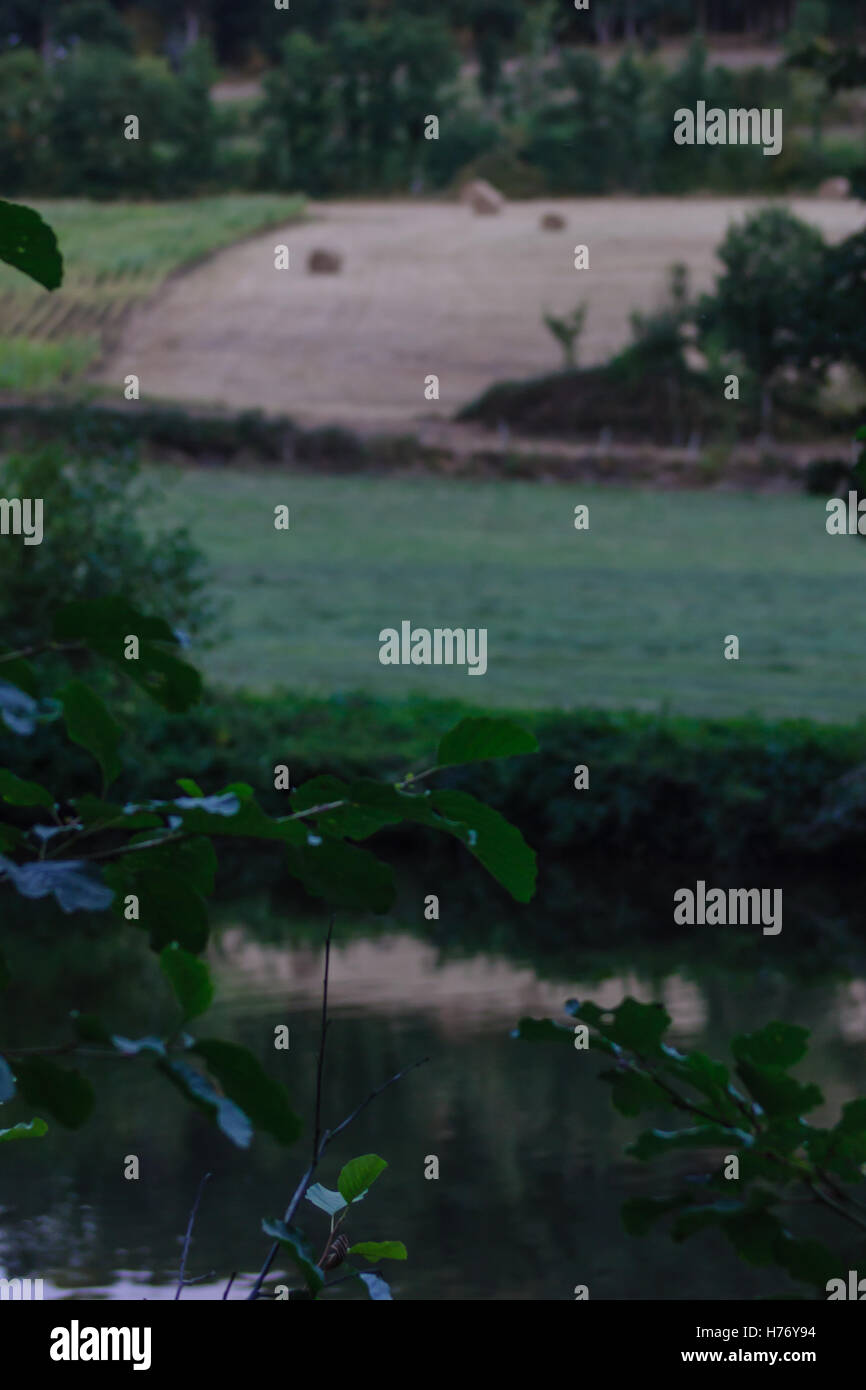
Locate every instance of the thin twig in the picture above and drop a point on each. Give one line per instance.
(186, 1244)
(302, 1186)
(320, 1065)
(232, 1277)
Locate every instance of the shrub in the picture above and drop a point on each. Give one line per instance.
(93, 545)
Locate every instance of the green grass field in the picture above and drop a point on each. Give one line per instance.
(632, 613)
(115, 255)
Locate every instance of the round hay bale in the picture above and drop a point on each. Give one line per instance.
(323, 262)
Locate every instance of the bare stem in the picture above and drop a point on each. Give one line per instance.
(320, 1066)
(186, 1244)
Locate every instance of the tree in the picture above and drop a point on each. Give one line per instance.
(767, 301)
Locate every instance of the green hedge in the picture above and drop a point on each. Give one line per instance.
(711, 791)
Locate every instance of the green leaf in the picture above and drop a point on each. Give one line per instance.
(477, 738)
(710, 1078)
(229, 816)
(368, 806)
(777, 1045)
(190, 979)
(342, 874)
(191, 788)
(755, 1235)
(194, 860)
(29, 244)
(688, 1223)
(359, 1175)
(841, 1150)
(542, 1030)
(494, 842)
(17, 792)
(33, 1129)
(637, 1027)
(65, 1094)
(300, 1253)
(325, 1199)
(778, 1094)
(201, 1093)
(90, 725)
(807, 1260)
(170, 908)
(374, 1250)
(632, 1091)
(245, 1081)
(658, 1141)
(104, 624)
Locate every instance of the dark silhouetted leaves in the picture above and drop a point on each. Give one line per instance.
(494, 842)
(542, 1030)
(170, 908)
(245, 1081)
(29, 244)
(777, 1093)
(202, 1093)
(658, 1141)
(777, 1045)
(89, 724)
(65, 1094)
(298, 1251)
(103, 626)
(342, 874)
(190, 979)
(475, 739)
(637, 1027)
(17, 792)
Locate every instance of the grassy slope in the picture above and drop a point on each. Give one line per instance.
(115, 255)
(632, 613)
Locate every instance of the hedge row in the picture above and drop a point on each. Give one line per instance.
(711, 791)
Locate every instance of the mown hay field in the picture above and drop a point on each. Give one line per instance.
(631, 613)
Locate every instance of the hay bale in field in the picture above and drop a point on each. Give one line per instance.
(552, 222)
(835, 188)
(482, 197)
(322, 262)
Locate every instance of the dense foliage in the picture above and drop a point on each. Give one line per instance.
(756, 1153)
(343, 108)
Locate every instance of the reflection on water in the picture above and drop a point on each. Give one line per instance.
(532, 1170)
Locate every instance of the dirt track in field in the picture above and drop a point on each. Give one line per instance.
(425, 288)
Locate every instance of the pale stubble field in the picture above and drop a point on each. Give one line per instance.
(425, 288)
